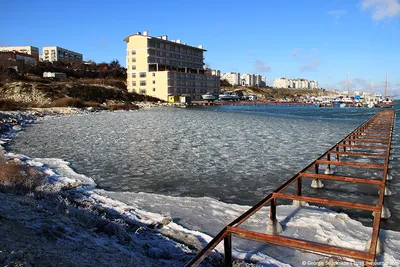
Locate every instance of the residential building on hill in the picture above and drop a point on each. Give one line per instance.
(27, 49)
(232, 77)
(56, 53)
(165, 68)
(14, 56)
(249, 79)
(298, 83)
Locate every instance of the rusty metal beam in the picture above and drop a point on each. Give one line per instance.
(300, 244)
(207, 249)
(351, 164)
(341, 178)
(329, 202)
(367, 141)
(361, 154)
(363, 146)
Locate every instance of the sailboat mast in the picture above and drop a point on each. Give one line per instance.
(386, 86)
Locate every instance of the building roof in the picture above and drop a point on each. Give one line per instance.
(162, 40)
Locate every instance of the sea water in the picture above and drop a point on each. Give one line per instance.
(177, 161)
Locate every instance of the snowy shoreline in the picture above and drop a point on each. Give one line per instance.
(309, 222)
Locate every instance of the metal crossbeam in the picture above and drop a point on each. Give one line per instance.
(341, 178)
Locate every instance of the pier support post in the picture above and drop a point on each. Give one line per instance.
(328, 168)
(379, 246)
(228, 250)
(273, 227)
(316, 183)
(387, 192)
(385, 213)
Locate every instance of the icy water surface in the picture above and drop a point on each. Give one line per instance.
(236, 154)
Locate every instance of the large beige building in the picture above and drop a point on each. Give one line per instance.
(163, 68)
(27, 49)
(55, 53)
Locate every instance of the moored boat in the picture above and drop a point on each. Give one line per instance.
(209, 97)
(229, 96)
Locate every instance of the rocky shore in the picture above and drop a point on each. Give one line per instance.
(63, 223)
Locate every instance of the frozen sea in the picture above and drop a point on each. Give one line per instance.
(186, 162)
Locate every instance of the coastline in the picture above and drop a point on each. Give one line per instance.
(137, 222)
(74, 192)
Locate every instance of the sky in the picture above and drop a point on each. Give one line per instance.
(330, 41)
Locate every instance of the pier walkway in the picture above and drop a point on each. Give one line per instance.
(371, 140)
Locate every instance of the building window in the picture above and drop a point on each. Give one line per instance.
(133, 83)
(154, 82)
(133, 52)
(142, 83)
(133, 75)
(154, 75)
(133, 67)
(154, 89)
(142, 91)
(143, 75)
(133, 59)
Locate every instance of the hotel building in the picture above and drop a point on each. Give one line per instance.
(165, 68)
(56, 53)
(27, 49)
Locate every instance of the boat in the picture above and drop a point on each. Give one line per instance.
(209, 97)
(229, 96)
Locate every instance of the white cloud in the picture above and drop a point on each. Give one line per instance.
(295, 52)
(308, 60)
(261, 66)
(337, 13)
(311, 66)
(381, 9)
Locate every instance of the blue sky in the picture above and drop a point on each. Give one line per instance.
(313, 39)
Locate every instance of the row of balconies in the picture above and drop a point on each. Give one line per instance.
(152, 52)
(176, 49)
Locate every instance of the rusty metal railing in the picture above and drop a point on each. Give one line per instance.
(374, 134)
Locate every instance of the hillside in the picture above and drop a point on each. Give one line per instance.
(275, 94)
(75, 93)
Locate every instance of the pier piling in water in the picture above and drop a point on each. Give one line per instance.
(375, 134)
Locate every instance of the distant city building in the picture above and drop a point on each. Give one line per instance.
(166, 69)
(27, 49)
(56, 53)
(247, 79)
(232, 77)
(263, 81)
(298, 83)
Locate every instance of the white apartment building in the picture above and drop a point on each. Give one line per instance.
(232, 77)
(248, 79)
(313, 85)
(27, 49)
(263, 81)
(282, 83)
(298, 83)
(56, 53)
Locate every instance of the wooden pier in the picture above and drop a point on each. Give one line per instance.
(371, 140)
